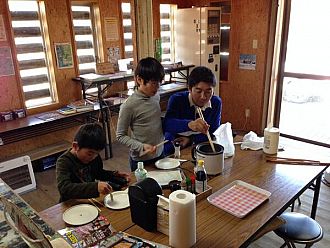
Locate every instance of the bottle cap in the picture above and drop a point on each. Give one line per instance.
(140, 165)
(200, 162)
(176, 143)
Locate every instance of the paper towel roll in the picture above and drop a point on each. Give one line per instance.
(271, 138)
(182, 219)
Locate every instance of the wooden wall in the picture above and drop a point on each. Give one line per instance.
(10, 94)
(245, 88)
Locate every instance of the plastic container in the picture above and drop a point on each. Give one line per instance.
(201, 178)
(140, 172)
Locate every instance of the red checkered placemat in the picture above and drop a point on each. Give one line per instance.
(238, 200)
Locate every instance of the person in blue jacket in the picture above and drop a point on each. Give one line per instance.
(182, 122)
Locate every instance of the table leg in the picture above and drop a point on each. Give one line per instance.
(316, 196)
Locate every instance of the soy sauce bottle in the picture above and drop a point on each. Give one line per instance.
(201, 177)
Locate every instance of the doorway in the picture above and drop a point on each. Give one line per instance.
(303, 96)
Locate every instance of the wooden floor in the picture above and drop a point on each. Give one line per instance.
(46, 195)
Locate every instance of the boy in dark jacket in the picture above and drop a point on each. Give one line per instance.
(78, 168)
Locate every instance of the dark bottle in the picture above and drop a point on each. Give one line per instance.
(201, 178)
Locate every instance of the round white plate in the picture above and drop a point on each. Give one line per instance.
(80, 214)
(167, 163)
(120, 200)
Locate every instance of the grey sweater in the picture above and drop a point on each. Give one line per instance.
(142, 115)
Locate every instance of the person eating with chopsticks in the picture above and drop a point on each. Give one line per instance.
(182, 121)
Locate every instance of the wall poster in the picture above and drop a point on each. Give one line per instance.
(111, 28)
(6, 62)
(64, 56)
(3, 36)
(247, 61)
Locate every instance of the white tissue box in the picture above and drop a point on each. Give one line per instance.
(162, 216)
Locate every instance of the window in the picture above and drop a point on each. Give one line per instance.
(128, 33)
(166, 31)
(305, 79)
(84, 34)
(128, 38)
(30, 34)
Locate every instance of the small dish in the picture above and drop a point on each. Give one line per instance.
(120, 200)
(167, 163)
(80, 214)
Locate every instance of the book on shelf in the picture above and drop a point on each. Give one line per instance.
(82, 105)
(67, 110)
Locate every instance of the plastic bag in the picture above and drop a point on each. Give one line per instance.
(252, 141)
(224, 137)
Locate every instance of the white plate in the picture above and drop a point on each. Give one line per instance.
(80, 214)
(167, 163)
(120, 200)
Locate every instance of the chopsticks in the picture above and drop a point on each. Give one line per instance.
(295, 161)
(91, 201)
(158, 145)
(208, 133)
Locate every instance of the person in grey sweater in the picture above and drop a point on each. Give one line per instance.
(142, 115)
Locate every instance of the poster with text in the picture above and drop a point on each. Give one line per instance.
(3, 36)
(6, 62)
(111, 28)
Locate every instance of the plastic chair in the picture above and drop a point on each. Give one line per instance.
(299, 229)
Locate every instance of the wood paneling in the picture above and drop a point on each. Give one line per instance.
(245, 88)
(58, 20)
(10, 92)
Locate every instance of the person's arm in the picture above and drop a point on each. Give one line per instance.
(173, 121)
(68, 183)
(123, 124)
(213, 118)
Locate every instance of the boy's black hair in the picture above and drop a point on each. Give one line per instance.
(150, 69)
(90, 136)
(201, 74)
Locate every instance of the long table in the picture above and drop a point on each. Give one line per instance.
(217, 228)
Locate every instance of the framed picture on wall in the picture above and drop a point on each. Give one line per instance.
(64, 57)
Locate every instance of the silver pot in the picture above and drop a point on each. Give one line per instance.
(213, 161)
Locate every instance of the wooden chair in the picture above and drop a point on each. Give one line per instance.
(300, 229)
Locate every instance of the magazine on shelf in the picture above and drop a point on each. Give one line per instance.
(82, 105)
(67, 110)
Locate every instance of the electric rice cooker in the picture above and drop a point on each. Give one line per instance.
(213, 161)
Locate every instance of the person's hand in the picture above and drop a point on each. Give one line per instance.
(148, 149)
(199, 125)
(103, 188)
(183, 141)
(124, 175)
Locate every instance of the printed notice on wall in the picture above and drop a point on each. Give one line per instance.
(2, 30)
(6, 62)
(111, 28)
(247, 61)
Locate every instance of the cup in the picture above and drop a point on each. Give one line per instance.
(271, 139)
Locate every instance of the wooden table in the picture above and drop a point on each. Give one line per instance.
(215, 227)
(181, 70)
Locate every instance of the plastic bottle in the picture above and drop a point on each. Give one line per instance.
(140, 172)
(201, 178)
(177, 152)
